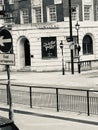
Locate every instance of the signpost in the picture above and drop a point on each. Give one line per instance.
(7, 58)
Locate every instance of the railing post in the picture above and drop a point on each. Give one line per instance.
(30, 97)
(57, 101)
(88, 112)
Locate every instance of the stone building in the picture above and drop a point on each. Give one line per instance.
(39, 26)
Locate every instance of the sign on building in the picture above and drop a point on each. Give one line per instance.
(49, 47)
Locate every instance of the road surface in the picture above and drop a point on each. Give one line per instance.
(31, 122)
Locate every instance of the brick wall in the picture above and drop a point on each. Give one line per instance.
(59, 8)
(73, 3)
(95, 3)
(17, 7)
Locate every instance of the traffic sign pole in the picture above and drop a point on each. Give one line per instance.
(5, 57)
(9, 93)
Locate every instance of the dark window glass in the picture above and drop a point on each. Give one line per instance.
(49, 47)
(87, 45)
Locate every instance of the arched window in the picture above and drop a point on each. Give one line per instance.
(87, 45)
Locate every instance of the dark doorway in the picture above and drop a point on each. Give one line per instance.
(87, 45)
(27, 53)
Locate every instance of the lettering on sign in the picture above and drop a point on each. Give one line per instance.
(5, 56)
(48, 26)
(7, 59)
(49, 45)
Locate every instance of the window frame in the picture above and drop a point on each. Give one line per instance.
(51, 16)
(37, 17)
(97, 13)
(1, 2)
(87, 15)
(24, 16)
(75, 14)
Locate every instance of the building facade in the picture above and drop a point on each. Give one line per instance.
(39, 26)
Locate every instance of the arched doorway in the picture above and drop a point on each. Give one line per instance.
(24, 53)
(27, 53)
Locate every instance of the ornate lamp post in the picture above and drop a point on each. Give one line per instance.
(77, 27)
(63, 70)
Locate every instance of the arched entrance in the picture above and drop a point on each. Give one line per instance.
(24, 53)
(27, 53)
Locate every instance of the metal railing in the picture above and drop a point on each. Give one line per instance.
(85, 65)
(60, 99)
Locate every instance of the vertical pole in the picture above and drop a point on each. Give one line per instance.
(57, 100)
(71, 38)
(9, 94)
(88, 112)
(30, 97)
(63, 70)
(78, 51)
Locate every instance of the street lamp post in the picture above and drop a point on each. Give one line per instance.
(63, 70)
(77, 27)
(71, 37)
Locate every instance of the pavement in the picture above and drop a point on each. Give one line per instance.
(85, 80)
(27, 118)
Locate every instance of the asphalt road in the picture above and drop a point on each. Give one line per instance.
(87, 79)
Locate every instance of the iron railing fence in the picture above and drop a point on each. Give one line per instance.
(61, 99)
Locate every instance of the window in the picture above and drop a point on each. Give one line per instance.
(49, 47)
(87, 45)
(75, 13)
(51, 14)
(1, 2)
(38, 15)
(87, 12)
(25, 16)
(9, 18)
(97, 13)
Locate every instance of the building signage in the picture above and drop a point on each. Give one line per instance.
(49, 47)
(7, 59)
(57, 1)
(47, 26)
